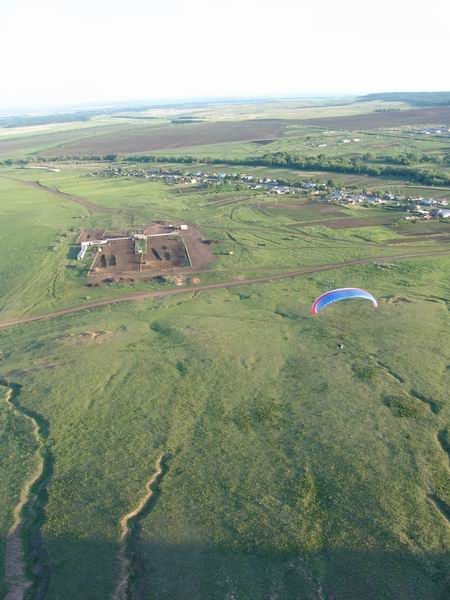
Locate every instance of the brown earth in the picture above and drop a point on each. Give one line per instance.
(182, 255)
(408, 239)
(10, 146)
(438, 115)
(87, 235)
(397, 300)
(126, 139)
(423, 228)
(13, 145)
(166, 137)
(119, 256)
(347, 223)
(134, 296)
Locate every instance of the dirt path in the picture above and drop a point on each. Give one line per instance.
(134, 296)
(64, 195)
(121, 591)
(91, 206)
(17, 581)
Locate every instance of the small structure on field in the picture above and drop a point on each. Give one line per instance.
(156, 249)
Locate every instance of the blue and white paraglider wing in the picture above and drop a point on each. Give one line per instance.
(340, 294)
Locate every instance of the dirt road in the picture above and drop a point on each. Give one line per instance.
(216, 286)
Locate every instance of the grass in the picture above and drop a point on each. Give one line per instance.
(262, 236)
(294, 465)
(282, 446)
(36, 230)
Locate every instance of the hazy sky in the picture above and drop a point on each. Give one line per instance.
(57, 52)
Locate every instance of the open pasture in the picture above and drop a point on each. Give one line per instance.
(36, 232)
(291, 465)
(248, 456)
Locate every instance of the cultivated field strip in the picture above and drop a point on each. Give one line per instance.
(216, 286)
(375, 120)
(24, 551)
(129, 525)
(168, 137)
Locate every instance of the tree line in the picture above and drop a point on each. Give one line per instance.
(401, 165)
(288, 160)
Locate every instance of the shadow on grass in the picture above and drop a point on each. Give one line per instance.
(73, 252)
(86, 569)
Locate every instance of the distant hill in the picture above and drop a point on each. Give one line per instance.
(414, 98)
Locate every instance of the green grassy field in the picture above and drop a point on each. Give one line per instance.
(291, 469)
(309, 467)
(262, 236)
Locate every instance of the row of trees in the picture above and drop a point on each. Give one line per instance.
(401, 166)
(407, 158)
(353, 166)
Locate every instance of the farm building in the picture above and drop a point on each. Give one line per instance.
(158, 248)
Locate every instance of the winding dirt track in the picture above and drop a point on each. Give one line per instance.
(64, 195)
(121, 590)
(134, 296)
(17, 579)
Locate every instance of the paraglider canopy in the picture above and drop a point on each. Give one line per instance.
(340, 294)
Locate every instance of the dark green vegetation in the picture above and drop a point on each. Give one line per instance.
(296, 470)
(402, 166)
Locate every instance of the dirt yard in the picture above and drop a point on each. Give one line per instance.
(120, 259)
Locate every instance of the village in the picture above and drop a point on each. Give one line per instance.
(443, 131)
(416, 208)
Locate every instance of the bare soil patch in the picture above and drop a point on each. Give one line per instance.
(345, 222)
(409, 239)
(397, 300)
(396, 118)
(166, 137)
(120, 256)
(9, 146)
(169, 254)
(423, 228)
(85, 336)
